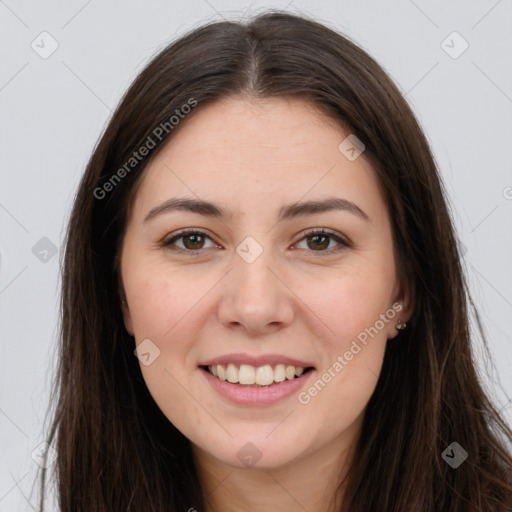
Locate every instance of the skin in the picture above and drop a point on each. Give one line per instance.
(252, 157)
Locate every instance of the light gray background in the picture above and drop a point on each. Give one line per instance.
(54, 109)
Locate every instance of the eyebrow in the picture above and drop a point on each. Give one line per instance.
(286, 212)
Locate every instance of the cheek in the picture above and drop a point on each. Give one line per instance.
(352, 357)
(160, 300)
(163, 310)
(350, 301)
(170, 308)
(355, 305)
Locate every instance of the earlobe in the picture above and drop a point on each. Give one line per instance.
(127, 317)
(404, 307)
(397, 325)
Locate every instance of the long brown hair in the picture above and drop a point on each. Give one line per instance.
(116, 451)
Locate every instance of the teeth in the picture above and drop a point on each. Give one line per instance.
(220, 370)
(279, 373)
(290, 372)
(247, 374)
(232, 373)
(263, 375)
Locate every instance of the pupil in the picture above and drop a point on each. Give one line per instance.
(321, 245)
(194, 243)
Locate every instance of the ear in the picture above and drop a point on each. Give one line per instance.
(127, 316)
(403, 306)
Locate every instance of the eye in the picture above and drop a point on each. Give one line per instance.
(320, 241)
(192, 240)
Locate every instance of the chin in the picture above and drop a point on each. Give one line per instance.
(260, 454)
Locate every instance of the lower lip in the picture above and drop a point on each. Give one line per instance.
(257, 396)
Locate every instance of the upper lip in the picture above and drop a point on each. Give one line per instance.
(260, 360)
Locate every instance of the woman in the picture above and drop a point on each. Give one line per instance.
(262, 224)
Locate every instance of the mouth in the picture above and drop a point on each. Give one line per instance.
(248, 376)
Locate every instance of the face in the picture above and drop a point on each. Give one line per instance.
(262, 283)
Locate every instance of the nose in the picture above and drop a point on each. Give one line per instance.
(256, 298)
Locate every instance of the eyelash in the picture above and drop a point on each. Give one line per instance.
(343, 243)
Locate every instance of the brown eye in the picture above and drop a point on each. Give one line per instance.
(323, 242)
(188, 241)
(318, 242)
(196, 241)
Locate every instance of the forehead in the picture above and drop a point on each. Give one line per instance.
(261, 151)
(283, 126)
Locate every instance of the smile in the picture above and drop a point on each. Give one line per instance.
(248, 375)
(256, 386)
